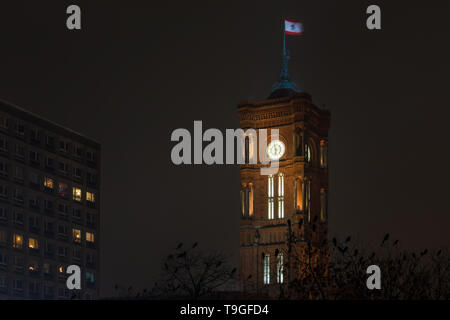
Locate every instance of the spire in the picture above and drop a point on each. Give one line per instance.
(285, 79)
(284, 87)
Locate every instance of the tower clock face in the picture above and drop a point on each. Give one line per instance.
(275, 149)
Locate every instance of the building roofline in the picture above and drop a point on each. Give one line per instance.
(30, 116)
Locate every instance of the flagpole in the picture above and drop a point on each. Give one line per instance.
(284, 38)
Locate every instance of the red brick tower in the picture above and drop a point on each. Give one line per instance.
(283, 212)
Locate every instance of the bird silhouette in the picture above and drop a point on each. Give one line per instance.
(179, 245)
(348, 239)
(194, 245)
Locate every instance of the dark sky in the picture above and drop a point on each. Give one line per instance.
(137, 71)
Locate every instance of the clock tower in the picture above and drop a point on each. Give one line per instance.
(285, 212)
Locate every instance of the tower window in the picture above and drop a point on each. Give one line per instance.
(323, 154)
(280, 195)
(308, 153)
(280, 268)
(270, 196)
(307, 197)
(323, 204)
(266, 269)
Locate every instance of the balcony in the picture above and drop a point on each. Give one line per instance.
(34, 273)
(18, 269)
(48, 190)
(34, 251)
(91, 204)
(90, 245)
(18, 201)
(63, 236)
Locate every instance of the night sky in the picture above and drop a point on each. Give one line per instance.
(137, 71)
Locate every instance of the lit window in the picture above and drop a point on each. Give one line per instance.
(280, 268)
(33, 266)
(76, 192)
(270, 197)
(33, 243)
(308, 153)
(61, 269)
(76, 235)
(280, 195)
(89, 236)
(17, 241)
(266, 269)
(323, 154)
(90, 196)
(48, 183)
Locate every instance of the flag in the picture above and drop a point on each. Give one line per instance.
(294, 28)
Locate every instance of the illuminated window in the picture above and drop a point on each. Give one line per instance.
(17, 241)
(280, 268)
(61, 269)
(266, 269)
(76, 194)
(308, 157)
(33, 265)
(247, 200)
(33, 243)
(89, 236)
(280, 195)
(323, 154)
(48, 183)
(76, 235)
(270, 196)
(90, 196)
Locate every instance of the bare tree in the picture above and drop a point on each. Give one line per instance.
(188, 272)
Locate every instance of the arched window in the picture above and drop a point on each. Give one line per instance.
(307, 197)
(323, 154)
(280, 195)
(323, 204)
(247, 150)
(297, 195)
(250, 199)
(266, 268)
(308, 153)
(270, 197)
(280, 268)
(297, 143)
(247, 200)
